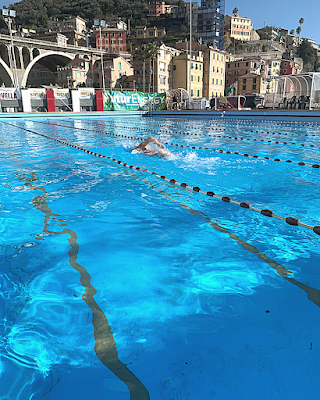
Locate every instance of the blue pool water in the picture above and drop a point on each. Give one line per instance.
(116, 284)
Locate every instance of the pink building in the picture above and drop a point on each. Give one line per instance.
(288, 67)
(156, 9)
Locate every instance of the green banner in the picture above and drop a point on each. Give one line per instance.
(134, 101)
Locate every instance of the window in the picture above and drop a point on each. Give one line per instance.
(213, 56)
(113, 41)
(198, 93)
(191, 65)
(247, 63)
(244, 80)
(254, 80)
(198, 78)
(159, 33)
(151, 33)
(228, 65)
(191, 78)
(162, 80)
(284, 71)
(244, 87)
(196, 66)
(120, 41)
(78, 74)
(254, 86)
(191, 92)
(162, 67)
(213, 81)
(119, 66)
(174, 67)
(139, 32)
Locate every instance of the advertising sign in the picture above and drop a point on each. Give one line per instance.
(37, 94)
(87, 93)
(62, 94)
(9, 94)
(134, 101)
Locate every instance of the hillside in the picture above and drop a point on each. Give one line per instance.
(35, 13)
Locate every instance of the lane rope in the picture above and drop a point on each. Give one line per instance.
(266, 212)
(175, 145)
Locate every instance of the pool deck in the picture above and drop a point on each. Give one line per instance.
(256, 114)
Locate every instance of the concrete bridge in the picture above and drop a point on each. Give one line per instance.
(29, 51)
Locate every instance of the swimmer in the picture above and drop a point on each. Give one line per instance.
(152, 147)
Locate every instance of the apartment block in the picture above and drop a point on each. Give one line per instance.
(188, 73)
(214, 62)
(115, 69)
(76, 73)
(236, 69)
(211, 21)
(149, 34)
(157, 76)
(74, 28)
(237, 27)
(252, 83)
(113, 38)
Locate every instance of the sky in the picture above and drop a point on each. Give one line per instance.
(279, 13)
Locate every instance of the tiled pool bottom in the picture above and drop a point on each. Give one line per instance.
(193, 298)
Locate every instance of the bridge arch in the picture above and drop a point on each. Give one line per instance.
(6, 77)
(52, 57)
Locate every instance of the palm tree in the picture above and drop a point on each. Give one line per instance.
(292, 32)
(147, 52)
(142, 53)
(298, 30)
(153, 52)
(235, 11)
(301, 21)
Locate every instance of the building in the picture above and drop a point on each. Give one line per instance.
(214, 62)
(237, 27)
(158, 74)
(236, 69)
(211, 21)
(114, 38)
(179, 12)
(288, 67)
(74, 28)
(76, 73)
(41, 75)
(149, 34)
(116, 69)
(188, 73)
(252, 83)
(194, 15)
(54, 37)
(274, 68)
(156, 9)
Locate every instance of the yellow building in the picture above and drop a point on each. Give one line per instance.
(214, 63)
(252, 83)
(157, 74)
(237, 27)
(76, 73)
(115, 69)
(144, 33)
(188, 73)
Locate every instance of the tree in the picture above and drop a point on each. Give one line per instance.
(146, 52)
(301, 21)
(309, 55)
(298, 30)
(235, 11)
(292, 32)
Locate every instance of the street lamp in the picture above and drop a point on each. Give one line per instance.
(101, 23)
(8, 15)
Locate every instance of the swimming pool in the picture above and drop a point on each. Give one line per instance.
(117, 283)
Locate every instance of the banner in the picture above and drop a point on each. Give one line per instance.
(87, 93)
(9, 94)
(62, 94)
(37, 94)
(134, 101)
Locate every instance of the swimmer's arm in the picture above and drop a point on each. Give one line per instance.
(150, 139)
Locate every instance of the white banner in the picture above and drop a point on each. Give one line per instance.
(9, 94)
(62, 94)
(87, 93)
(37, 94)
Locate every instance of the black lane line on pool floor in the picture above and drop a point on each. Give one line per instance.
(266, 212)
(105, 345)
(301, 163)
